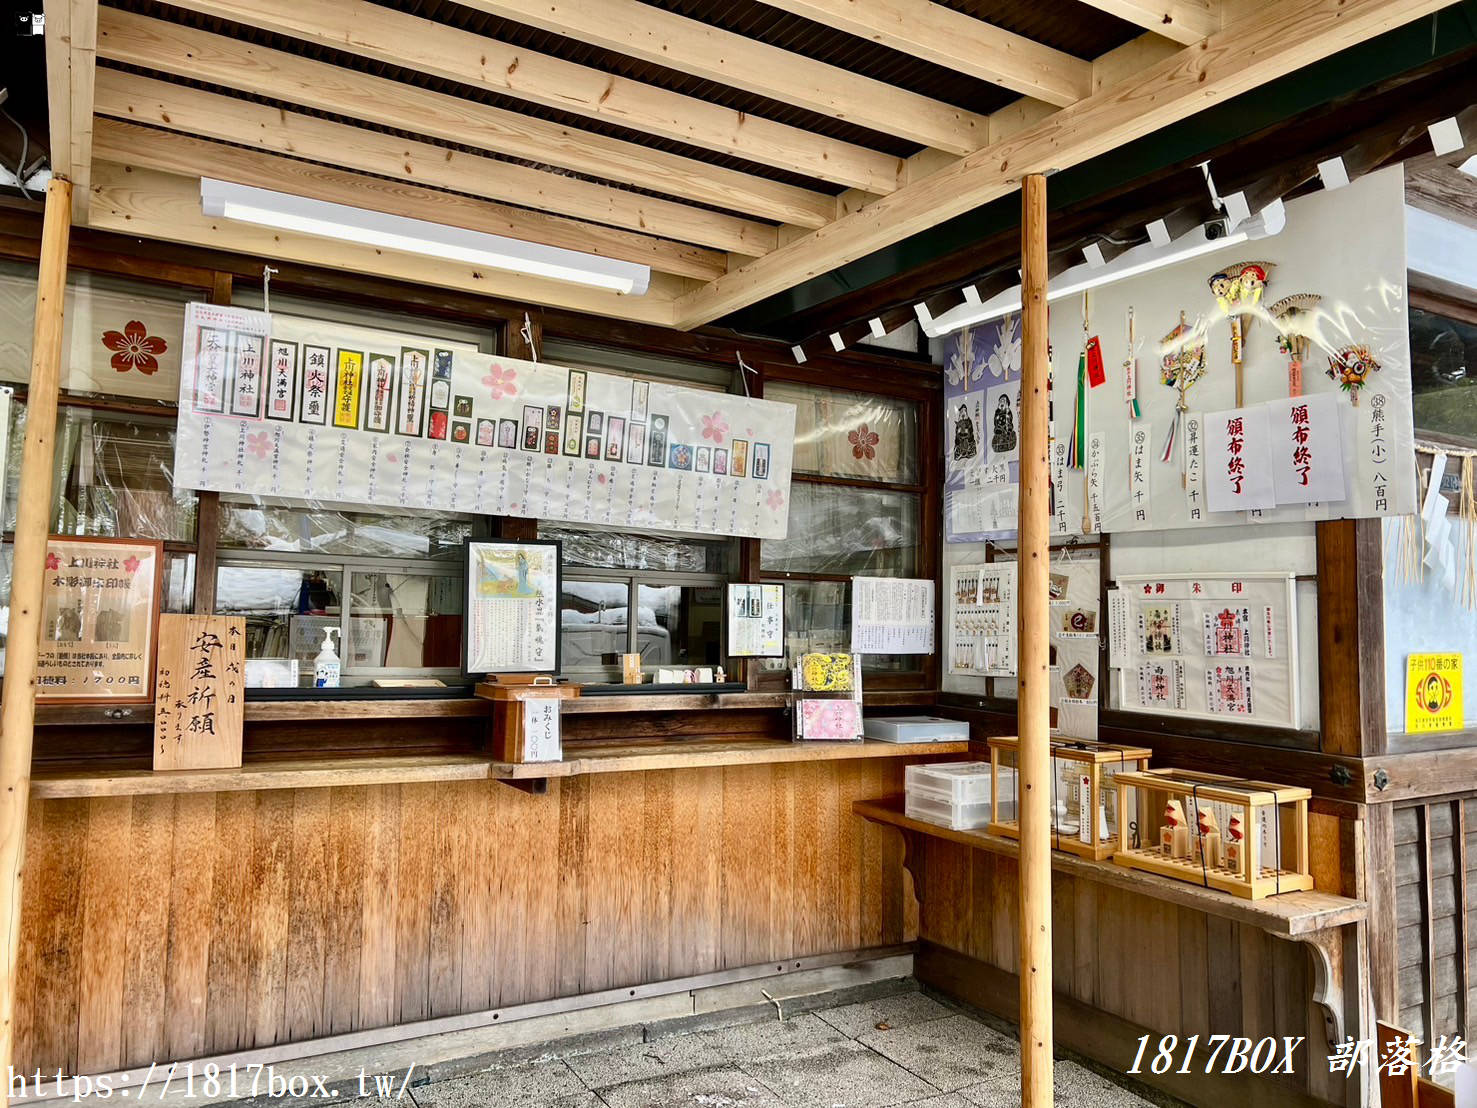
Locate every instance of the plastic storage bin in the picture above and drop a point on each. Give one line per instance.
(953, 794)
(916, 729)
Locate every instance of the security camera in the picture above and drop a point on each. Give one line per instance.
(1215, 229)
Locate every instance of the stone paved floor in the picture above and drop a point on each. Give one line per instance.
(903, 1049)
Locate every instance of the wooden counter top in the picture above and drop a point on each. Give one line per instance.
(579, 759)
(631, 757)
(1291, 914)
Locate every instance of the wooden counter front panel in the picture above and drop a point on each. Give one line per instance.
(159, 928)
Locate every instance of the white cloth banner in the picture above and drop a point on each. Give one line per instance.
(282, 407)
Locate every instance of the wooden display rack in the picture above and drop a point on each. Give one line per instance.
(1215, 861)
(1095, 759)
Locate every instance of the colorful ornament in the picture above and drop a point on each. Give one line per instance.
(1237, 289)
(1351, 368)
(1181, 365)
(1293, 315)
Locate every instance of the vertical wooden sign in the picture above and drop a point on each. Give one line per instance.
(199, 684)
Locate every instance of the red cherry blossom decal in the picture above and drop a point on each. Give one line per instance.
(131, 564)
(134, 348)
(863, 442)
(52, 561)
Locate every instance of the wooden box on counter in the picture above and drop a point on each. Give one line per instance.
(520, 702)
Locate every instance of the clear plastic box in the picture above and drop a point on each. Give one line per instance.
(954, 794)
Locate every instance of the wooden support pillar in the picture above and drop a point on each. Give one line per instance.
(28, 570)
(1033, 659)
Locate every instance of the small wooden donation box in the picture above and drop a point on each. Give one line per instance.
(525, 717)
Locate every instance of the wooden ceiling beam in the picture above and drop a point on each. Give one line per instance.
(129, 96)
(217, 59)
(956, 41)
(664, 38)
(410, 42)
(1257, 49)
(1184, 21)
(131, 145)
(71, 59)
(166, 206)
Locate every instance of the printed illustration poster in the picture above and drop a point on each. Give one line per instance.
(1433, 698)
(285, 407)
(982, 370)
(512, 622)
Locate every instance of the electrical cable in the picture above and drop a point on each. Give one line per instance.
(20, 168)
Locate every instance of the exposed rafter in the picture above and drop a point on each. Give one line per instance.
(129, 144)
(664, 38)
(392, 37)
(161, 104)
(1184, 21)
(217, 59)
(957, 41)
(71, 58)
(165, 206)
(1252, 51)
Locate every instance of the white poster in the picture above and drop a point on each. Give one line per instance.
(891, 615)
(982, 633)
(1003, 419)
(512, 620)
(756, 621)
(448, 428)
(1238, 460)
(1308, 449)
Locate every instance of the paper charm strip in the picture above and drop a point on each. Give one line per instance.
(1294, 316)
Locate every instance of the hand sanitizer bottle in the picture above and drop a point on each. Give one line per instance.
(326, 665)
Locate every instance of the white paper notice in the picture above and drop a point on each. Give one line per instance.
(541, 729)
(756, 621)
(1140, 435)
(1117, 628)
(1097, 452)
(891, 615)
(1238, 460)
(1307, 449)
(1060, 524)
(1195, 466)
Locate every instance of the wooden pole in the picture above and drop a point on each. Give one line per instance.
(1033, 658)
(28, 569)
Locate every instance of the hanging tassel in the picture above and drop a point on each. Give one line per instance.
(1076, 448)
(1467, 514)
(1169, 438)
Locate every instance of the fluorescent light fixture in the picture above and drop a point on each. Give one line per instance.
(283, 211)
(875, 326)
(1142, 259)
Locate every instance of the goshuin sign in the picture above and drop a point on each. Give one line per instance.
(275, 406)
(1433, 693)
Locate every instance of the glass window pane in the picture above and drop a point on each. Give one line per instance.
(641, 550)
(680, 625)
(114, 478)
(179, 583)
(404, 621)
(1443, 356)
(286, 609)
(818, 620)
(846, 531)
(851, 434)
(14, 447)
(593, 625)
(356, 534)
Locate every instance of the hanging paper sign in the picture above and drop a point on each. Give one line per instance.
(1307, 449)
(387, 422)
(891, 615)
(1239, 460)
(1096, 374)
(1096, 456)
(1139, 437)
(1378, 436)
(1003, 411)
(1060, 524)
(1433, 697)
(1195, 465)
(1117, 628)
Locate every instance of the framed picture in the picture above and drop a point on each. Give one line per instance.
(512, 607)
(99, 614)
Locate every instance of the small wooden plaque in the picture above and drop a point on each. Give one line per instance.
(199, 684)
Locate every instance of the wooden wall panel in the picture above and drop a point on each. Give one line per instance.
(1110, 956)
(164, 928)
